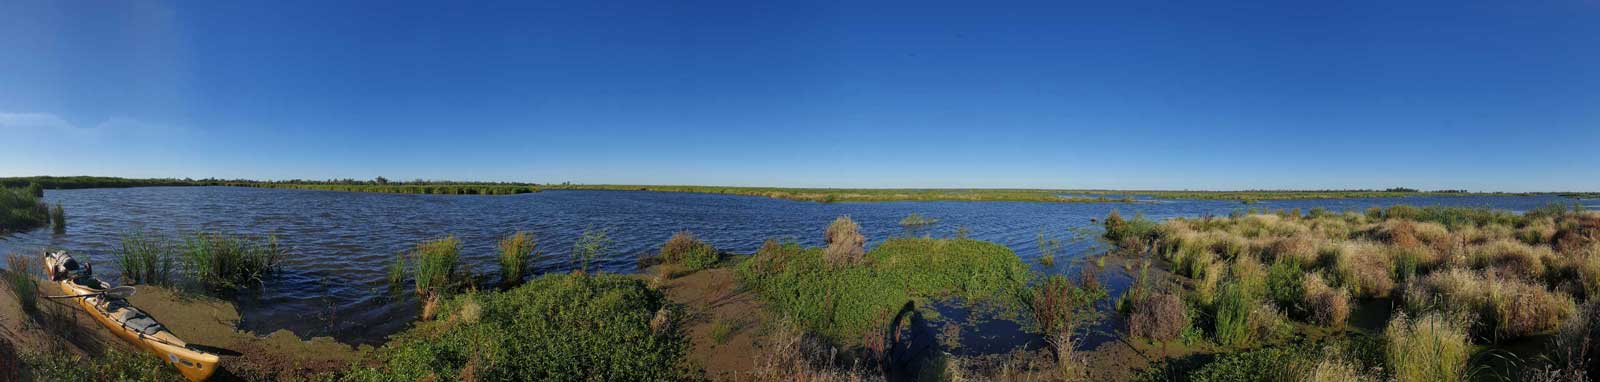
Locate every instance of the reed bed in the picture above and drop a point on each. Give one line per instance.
(21, 210)
(435, 265)
(146, 258)
(226, 261)
(58, 219)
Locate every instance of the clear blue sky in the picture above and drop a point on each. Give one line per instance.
(1493, 95)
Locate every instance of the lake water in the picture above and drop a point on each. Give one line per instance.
(332, 283)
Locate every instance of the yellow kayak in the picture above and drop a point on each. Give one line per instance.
(126, 321)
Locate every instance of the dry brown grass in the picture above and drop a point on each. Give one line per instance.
(1159, 317)
(1505, 307)
(1510, 258)
(789, 354)
(846, 245)
(1328, 306)
(1364, 268)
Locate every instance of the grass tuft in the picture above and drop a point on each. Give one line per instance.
(514, 256)
(223, 261)
(145, 258)
(23, 286)
(1425, 349)
(436, 263)
(689, 251)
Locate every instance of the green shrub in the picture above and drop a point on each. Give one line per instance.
(1430, 348)
(223, 261)
(513, 256)
(687, 250)
(145, 258)
(1285, 284)
(435, 262)
(556, 327)
(1264, 365)
(21, 210)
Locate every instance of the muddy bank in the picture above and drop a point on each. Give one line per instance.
(61, 326)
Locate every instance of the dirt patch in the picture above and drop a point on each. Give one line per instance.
(724, 323)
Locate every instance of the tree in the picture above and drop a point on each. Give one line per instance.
(381, 180)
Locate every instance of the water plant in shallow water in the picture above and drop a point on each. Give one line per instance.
(58, 219)
(145, 258)
(435, 265)
(514, 252)
(224, 261)
(594, 243)
(21, 210)
(689, 251)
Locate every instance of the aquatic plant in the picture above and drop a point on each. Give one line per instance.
(397, 270)
(22, 285)
(224, 261)
(514, 253)
(845, 244)
(435, 263)
(555, 327)
(684, 249)
(1430, 348)
(593, 244)
(1058, 306)
(1159, 317)
(35, 189)
(145, 258)
(58, 219)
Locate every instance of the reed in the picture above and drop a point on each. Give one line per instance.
(224, 261)
(21, 210)
(514, 252)
(145, 258)
(22, 285)
(435, 265)
(58, 219)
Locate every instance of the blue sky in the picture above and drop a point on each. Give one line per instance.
(1489, 95)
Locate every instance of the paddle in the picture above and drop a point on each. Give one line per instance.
(121, 292)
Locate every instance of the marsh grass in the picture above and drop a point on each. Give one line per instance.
(435, 264)
(1430, 348)
(514, 252)
(225, 261)
(58, 219)
(845, 244)
(145, 258)
(397, 270)
(23, 286)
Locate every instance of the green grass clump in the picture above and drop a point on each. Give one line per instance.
(513, 256)
(114, 365)
(1430, 348)
(397, 270)
(557, 327)
(22, 285)
(1272, 364)
(223, 261)
(689, 251)
(1129, 233)
(21, 210)
(720, 331)
(1231, 314)
(436, 262)
(843, 302)
(145, 258)
(58, 219)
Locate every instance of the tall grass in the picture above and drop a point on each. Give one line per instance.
(436, 262)
(1430, 348)
(514, 256)
(19, 277)
(58, 219)
(145, 258)
(224, 261)
(1231, 314)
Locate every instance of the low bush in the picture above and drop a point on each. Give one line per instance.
(689, 251)
(1426, 349)
(1274, 364)
(1325, 305)
(557, 327)
(113, 365)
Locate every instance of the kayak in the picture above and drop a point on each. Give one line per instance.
(125, 320)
